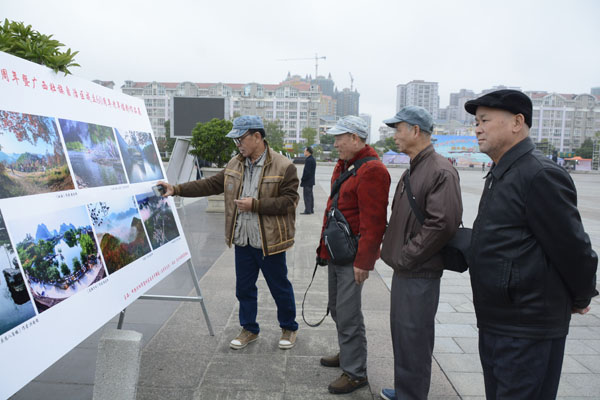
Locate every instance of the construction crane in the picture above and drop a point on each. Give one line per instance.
(316, 58)
(351, 81)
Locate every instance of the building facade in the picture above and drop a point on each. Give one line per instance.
(347, 102)
(564, 120)
(294, 103)
(418, 93)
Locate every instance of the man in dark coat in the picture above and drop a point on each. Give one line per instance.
(531, 262)
(308, 181)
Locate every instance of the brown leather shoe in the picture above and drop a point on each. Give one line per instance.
(345, 384)
(331, 361)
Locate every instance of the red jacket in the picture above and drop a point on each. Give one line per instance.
(363, 200)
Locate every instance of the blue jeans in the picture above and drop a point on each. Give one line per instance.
(248, 261)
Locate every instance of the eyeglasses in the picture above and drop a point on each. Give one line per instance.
(238, 141)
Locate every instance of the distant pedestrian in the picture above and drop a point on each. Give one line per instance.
(531, 262)
(482, 167)
(308, 180)
(412, 248)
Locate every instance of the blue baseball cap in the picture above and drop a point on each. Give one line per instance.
(244, 123)
(413, 115)
(350, 124)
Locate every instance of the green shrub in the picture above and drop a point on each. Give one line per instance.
(22, 41)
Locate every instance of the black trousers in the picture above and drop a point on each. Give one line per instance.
(309, 201)
(518, 368)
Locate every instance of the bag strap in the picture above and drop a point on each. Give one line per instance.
(411, 199)
(413, 203)
(305, 293)
(351, 171)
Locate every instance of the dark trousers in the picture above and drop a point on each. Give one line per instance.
(414, 303)
(248, 261)
(309, 201)
(517, 368)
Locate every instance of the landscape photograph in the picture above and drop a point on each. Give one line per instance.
(32, 157)
(93, 153)
(139, 156)
(158, 219)
(120, 232)
(58, 253)
(15, 304)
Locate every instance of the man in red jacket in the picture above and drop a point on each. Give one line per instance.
(363, 200)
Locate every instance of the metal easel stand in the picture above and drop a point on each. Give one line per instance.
(198, 298)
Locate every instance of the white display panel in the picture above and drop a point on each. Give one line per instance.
(81, 233)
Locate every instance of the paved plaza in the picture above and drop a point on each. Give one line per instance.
(182, 361)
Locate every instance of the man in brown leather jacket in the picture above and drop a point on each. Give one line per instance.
(412, 250)
(260, 188)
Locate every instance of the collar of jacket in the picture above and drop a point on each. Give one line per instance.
(525, 146)
(366, 151)
(268, 157)
(421, 156)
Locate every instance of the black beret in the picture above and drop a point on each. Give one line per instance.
(513, 101)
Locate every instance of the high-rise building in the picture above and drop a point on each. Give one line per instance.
(595, 91)
(564, 120)
(293, 102)
(418, 93)
(327, 85)
(456, 109)
(347, 102)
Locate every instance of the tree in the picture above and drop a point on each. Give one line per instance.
(22, 41)
(64, 269)
(586, 150)
(309, 134)
(274, 135)
(165, 144)
(209, 142)
(327, 139)
(387, 144)
(87, 244)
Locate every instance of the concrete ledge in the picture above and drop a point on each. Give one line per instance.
(118, 365)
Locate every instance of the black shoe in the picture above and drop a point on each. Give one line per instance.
(305, 213)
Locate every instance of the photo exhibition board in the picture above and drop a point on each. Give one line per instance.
(82, 235)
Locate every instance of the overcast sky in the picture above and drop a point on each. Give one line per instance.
(536, 45)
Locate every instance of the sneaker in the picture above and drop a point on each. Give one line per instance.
(288, 339)
(388, 394)
(331, 361)
(345, 384)
(243, 339)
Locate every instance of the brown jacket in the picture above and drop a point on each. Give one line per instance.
(410, 248)
(275, 205)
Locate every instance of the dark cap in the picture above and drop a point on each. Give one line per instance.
(512, 101)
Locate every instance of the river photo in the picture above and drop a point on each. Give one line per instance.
(15, 304)
(93, 153)
(139, 156)
(58, 253)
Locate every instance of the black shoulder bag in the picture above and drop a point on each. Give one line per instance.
(454, 254)
(339, 240)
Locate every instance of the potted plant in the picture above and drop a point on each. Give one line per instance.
(210, 144)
